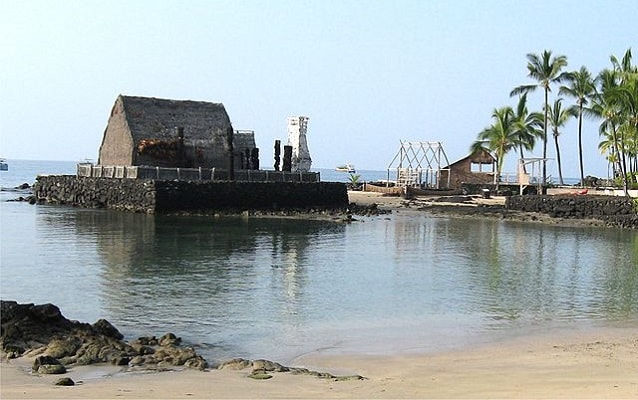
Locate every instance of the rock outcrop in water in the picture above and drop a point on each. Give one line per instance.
(42, 331)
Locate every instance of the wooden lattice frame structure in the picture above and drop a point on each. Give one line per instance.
(419, 164)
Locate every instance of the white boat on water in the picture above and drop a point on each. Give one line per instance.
(349, 168)
(3, 165)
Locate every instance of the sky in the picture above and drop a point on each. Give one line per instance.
(367, 73)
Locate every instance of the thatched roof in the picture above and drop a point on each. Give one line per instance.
(482, 157)
(150, 117)
(478, 157)
(170, 133)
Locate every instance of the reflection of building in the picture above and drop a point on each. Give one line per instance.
(297, 128)
(289, 253)
(141, 252)
(172, 133)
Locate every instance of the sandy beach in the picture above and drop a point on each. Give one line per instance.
(398, 203)
(596, 363)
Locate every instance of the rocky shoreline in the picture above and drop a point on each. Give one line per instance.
(341, 214)
(41, 331)
(474, 206)
(368, 204)
(467, 208)
(56, 344)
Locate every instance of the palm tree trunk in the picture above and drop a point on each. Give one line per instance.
(580, 143)
(545, 138)
(520, 149)
(616, 164)
(621, 158)
(560, 172)
(500, 154)
(625, 178)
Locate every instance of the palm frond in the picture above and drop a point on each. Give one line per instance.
(523, 89)
(478, 146)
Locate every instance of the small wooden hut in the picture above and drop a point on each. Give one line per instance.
(476, 168)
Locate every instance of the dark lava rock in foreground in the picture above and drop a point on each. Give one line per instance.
(43, 331)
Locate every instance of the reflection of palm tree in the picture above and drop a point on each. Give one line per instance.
(581, 87)
(545, 69)
(558, 117)
(499, 138)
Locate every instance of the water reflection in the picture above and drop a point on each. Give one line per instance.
(516, 273)
(548, 272)
(213, 277)
(263, 287)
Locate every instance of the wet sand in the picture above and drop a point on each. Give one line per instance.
(596, 364)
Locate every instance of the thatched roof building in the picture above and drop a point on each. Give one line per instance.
(476, 168)
(170, 133)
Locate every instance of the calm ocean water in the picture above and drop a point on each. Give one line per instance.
(279, 289)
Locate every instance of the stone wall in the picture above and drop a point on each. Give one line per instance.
(167, 196)
(118, 194)
(227, 195)
(616, 210)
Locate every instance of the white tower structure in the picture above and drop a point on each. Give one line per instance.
(297, 128)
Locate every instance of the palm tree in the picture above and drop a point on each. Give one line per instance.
(558, 117)
(581, 87)
(624, 66)
(605, 107)
(607, 147)
(498, 138)
(616, 102)
(545, 69)
(528, 126)
(626, 96)
(353, 181)
(630, 141)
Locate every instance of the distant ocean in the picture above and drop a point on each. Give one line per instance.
(23, 171)
(279, 289)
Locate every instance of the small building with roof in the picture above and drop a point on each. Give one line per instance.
(476, 168)
(147, 131)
